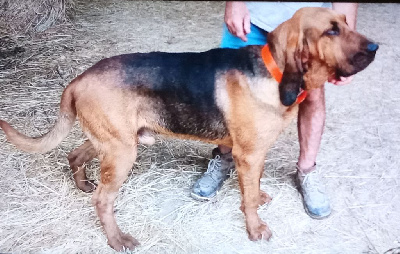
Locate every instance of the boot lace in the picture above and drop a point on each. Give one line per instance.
(214, 164)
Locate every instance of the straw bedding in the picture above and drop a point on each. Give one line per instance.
(23, 16)
(41, 210)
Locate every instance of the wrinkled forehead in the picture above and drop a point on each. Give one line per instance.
(319, 17)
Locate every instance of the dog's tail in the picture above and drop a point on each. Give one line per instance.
(51, 139)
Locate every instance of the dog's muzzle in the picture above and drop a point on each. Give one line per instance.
(360, 60)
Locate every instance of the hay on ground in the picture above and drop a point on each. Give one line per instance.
(24, 16)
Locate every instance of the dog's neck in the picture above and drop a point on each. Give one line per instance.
(277, 54)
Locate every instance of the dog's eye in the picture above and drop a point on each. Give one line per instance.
(332, 32)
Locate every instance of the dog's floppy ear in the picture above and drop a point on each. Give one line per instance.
(296, 59)
(291, 47)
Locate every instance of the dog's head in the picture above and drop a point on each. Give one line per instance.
(315, 44)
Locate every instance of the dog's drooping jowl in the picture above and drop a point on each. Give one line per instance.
(242, 98)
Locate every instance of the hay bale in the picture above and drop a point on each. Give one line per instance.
(25, 16)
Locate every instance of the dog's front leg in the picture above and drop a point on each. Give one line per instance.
(251, 144)
(250, 166)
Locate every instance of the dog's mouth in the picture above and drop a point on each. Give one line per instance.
(357, 63)
(362, 59)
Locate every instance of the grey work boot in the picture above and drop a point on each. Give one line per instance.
(219, 169)
(312, 188)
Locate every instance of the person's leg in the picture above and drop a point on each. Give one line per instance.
(220, 167)
(311, 121)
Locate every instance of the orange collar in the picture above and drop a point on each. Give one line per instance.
(273, 68)
(270, 63)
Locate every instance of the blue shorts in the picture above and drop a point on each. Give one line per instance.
(257, 36)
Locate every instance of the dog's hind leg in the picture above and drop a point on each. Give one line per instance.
(86, 152)
(77, 159)
(116, 160)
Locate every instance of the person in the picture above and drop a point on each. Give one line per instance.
(248, 23)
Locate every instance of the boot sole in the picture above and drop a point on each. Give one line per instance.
(200, 198)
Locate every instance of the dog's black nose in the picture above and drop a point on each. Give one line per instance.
(372, 47)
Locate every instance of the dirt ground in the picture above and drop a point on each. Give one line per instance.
(41, 211)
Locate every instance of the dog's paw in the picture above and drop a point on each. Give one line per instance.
(259, 231)
(256, 228)
(122, 242)
(264, 198)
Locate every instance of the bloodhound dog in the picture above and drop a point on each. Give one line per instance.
(241, 98)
